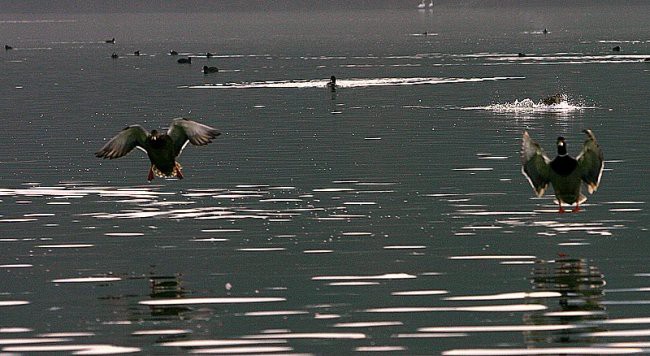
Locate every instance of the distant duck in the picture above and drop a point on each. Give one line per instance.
(545, 31)
(136, 53)
(173, 53)
(112, 40)
(422, 5)
(520, 54)
(207, 69)
(431, 3)
(616, 49)
(553, 99)
(565, 173)
(161, 148)
(114, 55)
(331, 85)
(8, 47)
(208, 55)
(187, 60)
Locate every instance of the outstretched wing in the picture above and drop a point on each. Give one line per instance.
(183, 131)
(534, 164)
(591, 162)
(129, 138)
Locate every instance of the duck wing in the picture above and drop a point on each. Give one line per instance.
(591, 162)
(126, 140)
(535, 164)
(183, 131)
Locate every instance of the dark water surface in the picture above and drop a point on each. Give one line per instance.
(390, 216)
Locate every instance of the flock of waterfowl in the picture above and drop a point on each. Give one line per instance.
(565, 173)
(186, 60)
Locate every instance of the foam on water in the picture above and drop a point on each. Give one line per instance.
(349, 83)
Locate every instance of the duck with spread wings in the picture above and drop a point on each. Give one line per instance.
(162, 147)
(565, 173)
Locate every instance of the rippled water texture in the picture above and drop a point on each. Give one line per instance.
(389, 215)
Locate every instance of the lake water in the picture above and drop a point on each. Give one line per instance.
(390, 216)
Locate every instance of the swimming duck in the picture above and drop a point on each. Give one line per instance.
(564, 172)
(173, 53)
(185, 60)
(331, 85)
(207, 69)
(162, 148)
(112, 40)
(136, 53)
(8, 47)
(114, 55)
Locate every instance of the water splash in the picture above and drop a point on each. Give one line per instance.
(529, 106)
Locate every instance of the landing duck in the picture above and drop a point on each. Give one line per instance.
(565, 173)
(162, 148)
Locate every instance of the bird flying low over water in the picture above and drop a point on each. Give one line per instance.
(162, 147)
(565, 173)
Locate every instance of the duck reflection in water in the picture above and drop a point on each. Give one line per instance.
(579, 288)
(167, 287)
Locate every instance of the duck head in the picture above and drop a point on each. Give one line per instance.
(155, 138)
(561, 146)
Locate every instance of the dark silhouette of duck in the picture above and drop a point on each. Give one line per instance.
(565, 173)
(545, 31)
(161, 148)
(616, 49)
(114, 55)
(553, 99)
(208, 70)
(331, 85)
(136, 53)
(8, 47)
(173, 53)
(208, 55)
(187, 60)
(112, 40)
(521, 54)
